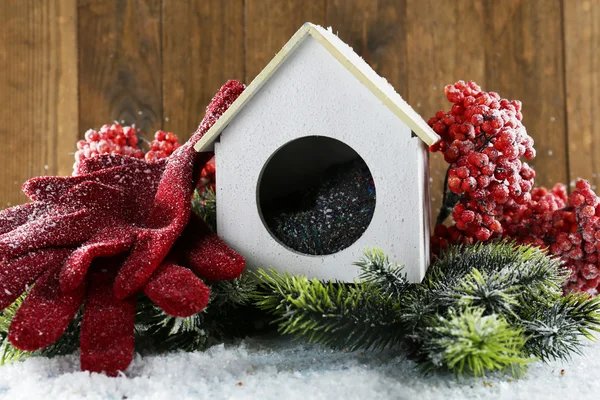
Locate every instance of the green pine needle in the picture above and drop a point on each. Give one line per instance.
(494, 293)
(334, 314)
(481, 308)
(204, 204)
(528, 267)
(468, 341)
(556, 332)
(157, 331)
(377, 270)
(233, 293)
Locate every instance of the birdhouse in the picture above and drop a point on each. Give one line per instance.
(322, 151)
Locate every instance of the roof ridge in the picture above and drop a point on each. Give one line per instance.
(349, 60)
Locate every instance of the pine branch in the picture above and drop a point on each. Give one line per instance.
(504, 273)
(377, 270)
(527, 266)
(495, 294)
(205, 206)
(469, 341)
(555, 332)
(585, 311)
(417, 310)
(233, 293)
(334, 314)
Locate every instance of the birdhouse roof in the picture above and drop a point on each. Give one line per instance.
(351, 61)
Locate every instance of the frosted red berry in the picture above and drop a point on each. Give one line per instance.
(110, 139)
(163, 145)
(482, 140)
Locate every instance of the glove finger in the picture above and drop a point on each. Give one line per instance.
(13, 217)
(173, 197)
(19, 273)
(178, 181)
(56, 231)
(104, 201)
(49, 188)
(207, 255)
(107, 328)
(167, 220)
(105, 244)
(223, 99)
(149, 250)
(171, 208)
(106, 161)
(52, 188)
(45, 313)
(177, 291)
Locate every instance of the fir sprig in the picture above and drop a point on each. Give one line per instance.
(204, 204)
(556, 331)
(480, 308)
(493, 293)
(335, 314)
(377, 269)
(233, 293)
(526, 266)
(470, 341)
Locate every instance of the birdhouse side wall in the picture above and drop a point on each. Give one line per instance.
(425, 211)
(311, 94)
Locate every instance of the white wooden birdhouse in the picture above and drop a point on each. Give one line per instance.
(318, 105)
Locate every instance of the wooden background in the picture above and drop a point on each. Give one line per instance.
(69, 65)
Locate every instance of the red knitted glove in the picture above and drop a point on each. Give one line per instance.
(119, 206)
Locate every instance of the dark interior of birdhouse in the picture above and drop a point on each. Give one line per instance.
(316, 195)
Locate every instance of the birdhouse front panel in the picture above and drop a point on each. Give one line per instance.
(309, 116)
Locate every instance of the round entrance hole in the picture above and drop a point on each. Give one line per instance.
(316, 195)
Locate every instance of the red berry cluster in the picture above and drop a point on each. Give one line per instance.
(444, 236)
(163, 145)
(111, 139)
(208, 176)
(534, 222)
(117, 139)
(491, 191)
(577, 239)
(483, 140)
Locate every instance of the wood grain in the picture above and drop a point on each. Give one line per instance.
(524, 61)
(38, 81)
(69, 65)
(376, 30)
(203, 47)
(120, 63)
(270, 24)
(582, 58)
(440, 52)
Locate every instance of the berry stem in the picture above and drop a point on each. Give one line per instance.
(449, 200)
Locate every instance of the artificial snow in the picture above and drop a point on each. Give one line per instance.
(279, 368)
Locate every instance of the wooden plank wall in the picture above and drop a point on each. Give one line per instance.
(68, 65)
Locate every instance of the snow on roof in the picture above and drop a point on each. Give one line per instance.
(351, 61)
